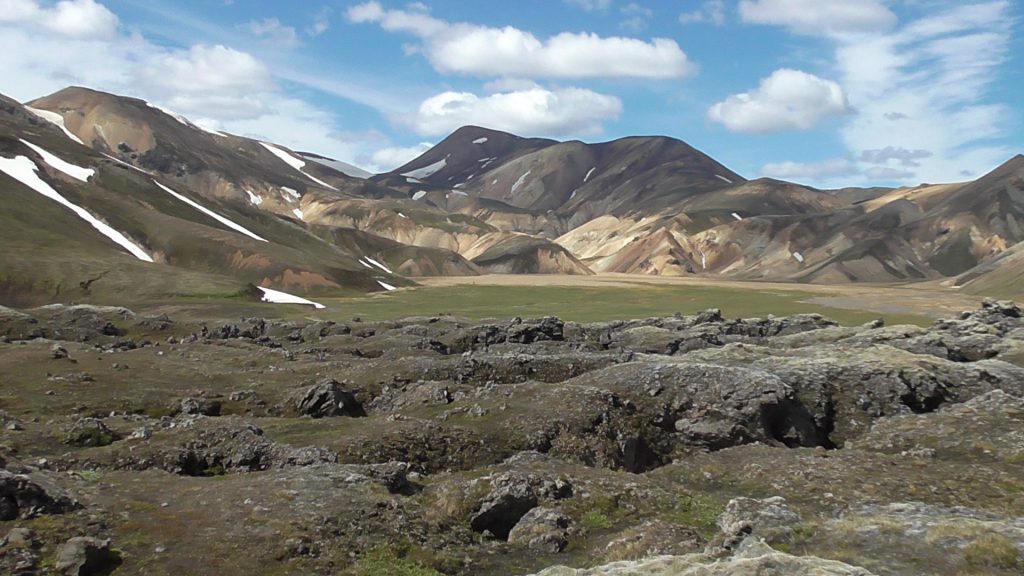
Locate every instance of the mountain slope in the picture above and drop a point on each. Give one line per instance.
(198, 245)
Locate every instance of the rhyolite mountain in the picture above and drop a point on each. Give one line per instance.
(481, 200)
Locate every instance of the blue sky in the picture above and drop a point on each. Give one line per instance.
(826, 92)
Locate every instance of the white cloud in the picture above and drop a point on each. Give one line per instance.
(713, 11)
(205, 70)
(786, 100)
(820, 17)
(816, 171)
(82, 19)
(926, 87)
(215, 86)
(590, 5)
(272, 31)
(533, 112)
(470, 49)
(387, 159)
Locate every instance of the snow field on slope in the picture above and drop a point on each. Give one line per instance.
(294, 163)
(55, 119)
(210, 213)
(76, 172)
(378, 265)
(24, 170)
(278, 297)
(427, 170)
(520, 181)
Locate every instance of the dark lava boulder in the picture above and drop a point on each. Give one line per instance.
(326, 399)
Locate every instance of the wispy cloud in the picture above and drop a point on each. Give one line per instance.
(820, 17)
(272, 31)
(921, 90)
(712, 11)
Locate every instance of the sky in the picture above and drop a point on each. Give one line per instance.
(830, 93)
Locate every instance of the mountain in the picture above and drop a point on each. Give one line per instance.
(81, 224)
(480, 201)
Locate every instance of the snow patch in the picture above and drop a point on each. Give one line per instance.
(386, 286)
(427, 170)
(737, 216)
(76, 172)
(256, 200)
(291, 192)
(520, 181)
(294, 163)
(365, 263)
(278, 297)
(480, 140)
(587, 177)
(343, 167)
(414, 181)
(170, 113)
(132, 166)
(573, 195)
(298, 214)
(379, 265)
(55, 119)
(459, 193)
(799, 257)
(723, 178)
(400, 215)
(209, 212)
(419, 194)
(24, 170)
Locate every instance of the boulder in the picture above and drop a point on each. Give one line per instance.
(512, 496)
(29, 495)
(542, 530)
(85, 556)
(326, 399)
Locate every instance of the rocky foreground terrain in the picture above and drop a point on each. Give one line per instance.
(680, 445)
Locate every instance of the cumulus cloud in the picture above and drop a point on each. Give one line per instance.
(820, 17)
(786, 100)
(82, 19)
(272, 31)
(215, 86)
(462, 48)
(387, 159)
(908, 158)
(713, 11)
(536, 111)
(205, 69)
(815, 171)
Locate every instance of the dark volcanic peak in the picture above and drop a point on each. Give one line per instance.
(465, 152)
